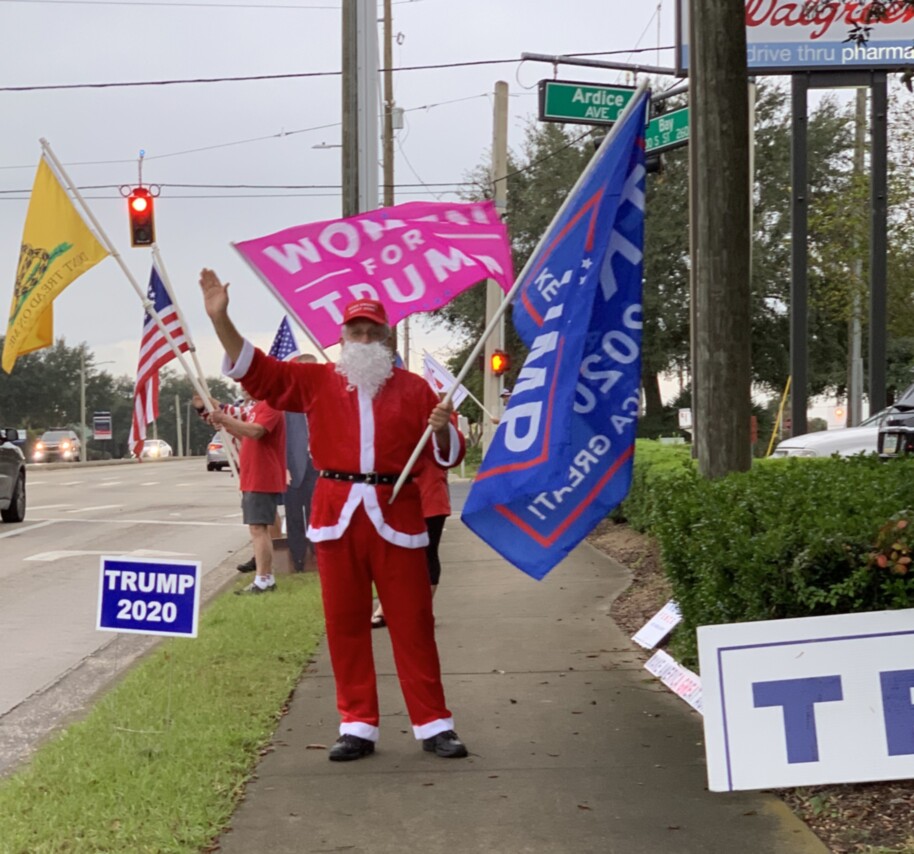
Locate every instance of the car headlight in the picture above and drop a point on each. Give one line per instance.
(39, 446)
(805, 452)
(64, 445)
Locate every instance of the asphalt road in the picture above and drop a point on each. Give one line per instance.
(49, 564)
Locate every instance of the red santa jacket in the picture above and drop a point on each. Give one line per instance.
(352, 433)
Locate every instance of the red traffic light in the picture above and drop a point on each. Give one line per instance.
(500, 362)
(142, 224)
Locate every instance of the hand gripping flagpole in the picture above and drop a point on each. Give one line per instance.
(141, 293)
(496, 318)
(227, 441)
(288, 309)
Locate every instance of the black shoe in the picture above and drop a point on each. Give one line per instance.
(350, 747)
(247, 566)
(445, 744)
(253, 588)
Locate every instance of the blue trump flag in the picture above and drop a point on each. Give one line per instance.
(561, 458)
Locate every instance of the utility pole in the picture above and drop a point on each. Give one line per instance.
(350, 112)
(717, 76)
(360, 107)
(83, 434)
(178, 420)
(492, 385)
(855, 356)
(388, 107)
(389, 145)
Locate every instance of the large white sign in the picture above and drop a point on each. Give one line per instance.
(790, 35)
(808, 701)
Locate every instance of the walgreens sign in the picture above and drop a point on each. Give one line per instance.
(804, 35)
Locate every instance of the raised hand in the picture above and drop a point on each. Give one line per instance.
(215, 294)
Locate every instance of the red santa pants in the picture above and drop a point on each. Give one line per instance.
(347, 568)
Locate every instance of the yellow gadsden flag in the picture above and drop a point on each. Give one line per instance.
(57, 247)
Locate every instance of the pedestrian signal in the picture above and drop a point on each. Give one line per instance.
(142, 222)
(499, 362)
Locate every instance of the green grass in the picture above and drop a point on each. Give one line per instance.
(159, 763)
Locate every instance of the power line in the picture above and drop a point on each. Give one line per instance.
(288, 76)
(219, 145)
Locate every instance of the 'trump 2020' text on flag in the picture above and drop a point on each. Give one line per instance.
(562, 455)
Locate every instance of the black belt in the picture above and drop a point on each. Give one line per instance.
(371, 478)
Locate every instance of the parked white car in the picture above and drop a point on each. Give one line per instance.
(844, 441)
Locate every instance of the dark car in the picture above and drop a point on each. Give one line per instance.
(896, 435)
(12, 477)
(59, 444)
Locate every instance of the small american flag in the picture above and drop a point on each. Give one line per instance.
(284, 344)
(154, 353)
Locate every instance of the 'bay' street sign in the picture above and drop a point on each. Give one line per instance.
(667, 131)
(582, 103)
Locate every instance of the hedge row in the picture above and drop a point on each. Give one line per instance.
(790, 538)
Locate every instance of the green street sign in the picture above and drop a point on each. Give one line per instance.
(667, 131)
(582, 103)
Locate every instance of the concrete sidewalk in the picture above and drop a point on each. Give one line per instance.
(574, 746)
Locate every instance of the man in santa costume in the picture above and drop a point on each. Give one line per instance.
(365, 419)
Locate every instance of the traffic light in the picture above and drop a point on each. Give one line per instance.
(499, 362)
(142, 221)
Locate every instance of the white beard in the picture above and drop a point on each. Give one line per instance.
(366, 366)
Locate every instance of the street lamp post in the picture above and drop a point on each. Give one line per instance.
(84, 439)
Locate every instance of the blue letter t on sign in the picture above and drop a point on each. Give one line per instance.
(798, 698)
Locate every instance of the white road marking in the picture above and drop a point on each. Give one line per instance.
(37, 482)
(187, 484)
(46, 557)
(110, 482)
(33, 508)
(71, 483)
(139, 522)
(150, 483)
(95, 507)
(19, 531)
(232, 515)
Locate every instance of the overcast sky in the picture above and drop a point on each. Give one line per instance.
(202, 133)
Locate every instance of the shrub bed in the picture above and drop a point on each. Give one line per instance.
(790, 538)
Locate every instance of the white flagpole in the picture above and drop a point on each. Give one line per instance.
(103, 237)
(284, 304)
(227, 442)
(496, 318)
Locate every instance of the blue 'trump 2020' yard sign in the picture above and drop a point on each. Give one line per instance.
(149, 597)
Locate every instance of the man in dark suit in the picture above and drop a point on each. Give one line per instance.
(302, 478)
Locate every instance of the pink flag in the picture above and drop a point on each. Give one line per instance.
(412, 257)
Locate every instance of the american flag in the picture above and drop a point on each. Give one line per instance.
(154, 353)
(284, 345)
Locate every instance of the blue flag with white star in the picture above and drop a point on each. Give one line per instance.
(284, 344)
(561, 458)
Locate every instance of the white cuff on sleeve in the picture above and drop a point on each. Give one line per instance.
(242, 366)
(455, 446)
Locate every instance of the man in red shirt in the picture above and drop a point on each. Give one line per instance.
(262, 464)
(365, 418)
